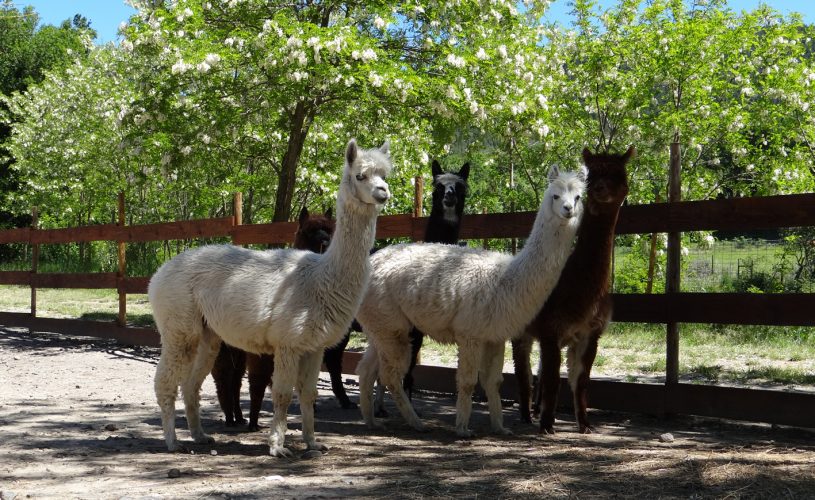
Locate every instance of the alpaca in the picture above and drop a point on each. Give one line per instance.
(443, 225)
(579, 309)
(292, 303)
(471, 297)
(314, 234)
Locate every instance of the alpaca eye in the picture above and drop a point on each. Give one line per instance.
(556, 197)
(361, 177)
(577, 198)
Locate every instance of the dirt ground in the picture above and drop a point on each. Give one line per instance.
(78, 419)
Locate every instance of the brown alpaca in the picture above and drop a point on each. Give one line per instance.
(314, 233)
(579, 309)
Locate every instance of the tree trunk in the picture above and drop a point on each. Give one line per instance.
(300, 122)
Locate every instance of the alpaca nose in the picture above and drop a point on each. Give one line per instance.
(567, 209)
(381, 194)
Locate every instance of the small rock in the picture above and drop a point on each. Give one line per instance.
(273, 478)
(7, 495)
(214, 453)
(173, 473)
(666, 438)
(312, 454)
(77, 387)
(523, 461)
(111, 427)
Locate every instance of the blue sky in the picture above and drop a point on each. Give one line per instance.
(106, 15)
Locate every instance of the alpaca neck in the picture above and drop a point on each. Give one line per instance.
(532, 275)
(443, 225)
(347, 256)
(594, 247)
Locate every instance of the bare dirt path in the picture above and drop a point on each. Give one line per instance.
(78, 419)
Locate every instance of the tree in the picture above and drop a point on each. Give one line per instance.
(26, 54)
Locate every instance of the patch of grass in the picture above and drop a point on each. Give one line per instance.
(628, 351)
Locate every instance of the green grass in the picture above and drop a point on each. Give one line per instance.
(713, 354)
(76, 303)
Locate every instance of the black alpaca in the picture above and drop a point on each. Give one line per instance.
(443, 226)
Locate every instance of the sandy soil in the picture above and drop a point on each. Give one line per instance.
(78, 419)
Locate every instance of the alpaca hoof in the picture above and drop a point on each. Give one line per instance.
(547, 430)
(204, 439)
(465, 433)
(381, 413)
(349, 405)
(253, 428)
(375, 425)
(317, 446)
(280, 451)
(503, 431)
(585, 429)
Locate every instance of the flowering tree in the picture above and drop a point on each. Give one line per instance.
(255, 89)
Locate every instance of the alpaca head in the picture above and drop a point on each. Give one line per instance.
(449, 191)
(365, 172)
(314, 233)
(564, 192)
(607, 180)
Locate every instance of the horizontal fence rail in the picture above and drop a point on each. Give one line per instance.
(741, 214)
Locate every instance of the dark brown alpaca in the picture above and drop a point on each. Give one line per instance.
(579, 309)
(314, 234)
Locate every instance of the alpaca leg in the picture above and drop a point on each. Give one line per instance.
(466, 376)
(367, 369)
(521, 349)
(170, 366)
(394, 358)
(416, 340)
(548, 384)
(239, 358)
(260, 369)
(379, 404)
(491, 376)
(308, 374)
(580, 359)
(191, 386)
(333, 362)
(283, 380)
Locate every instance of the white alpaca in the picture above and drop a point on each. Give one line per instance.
(474, 298)
(292, 303)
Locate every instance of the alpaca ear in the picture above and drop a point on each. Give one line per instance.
(583, 173)
(586, 154)
(328, 213)
(385, 148)
(351, 151)
(554, 171)
(435, 168)
(464, 173)
(303, 216)
(632, 151)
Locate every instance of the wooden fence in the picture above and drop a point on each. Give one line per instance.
(671, 308)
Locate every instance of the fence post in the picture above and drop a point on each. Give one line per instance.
(672, 270)
(122, 319)
(35, 258)
(652, 257)
(418, 211)
(237, 211)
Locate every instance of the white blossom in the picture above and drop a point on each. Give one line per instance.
(375, 79)
(456, 61)
(379, 22)
(481, 54)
